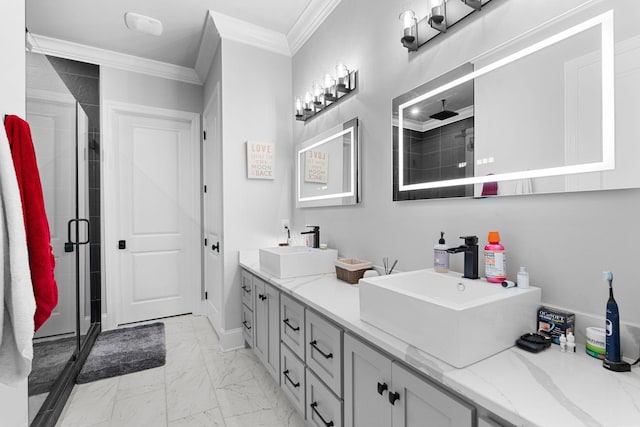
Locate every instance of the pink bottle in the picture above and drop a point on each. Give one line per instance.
(495, 260)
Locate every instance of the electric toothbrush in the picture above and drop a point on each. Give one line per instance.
(612, 360)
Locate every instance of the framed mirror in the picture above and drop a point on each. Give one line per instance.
(533, 116)
(327, 168)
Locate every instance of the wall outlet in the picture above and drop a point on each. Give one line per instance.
(284, 224)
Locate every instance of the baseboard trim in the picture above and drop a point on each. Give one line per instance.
(231, 340)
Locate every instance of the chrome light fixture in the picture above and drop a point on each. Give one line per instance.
(329, 92)
(442, 15)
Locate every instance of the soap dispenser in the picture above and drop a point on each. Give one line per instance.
(441, 256)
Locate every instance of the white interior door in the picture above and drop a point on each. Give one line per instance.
(158, 222)
(213, 283)
(51, 117)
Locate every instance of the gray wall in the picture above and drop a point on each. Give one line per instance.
(565, 240)
(151, 91)
(256, 106)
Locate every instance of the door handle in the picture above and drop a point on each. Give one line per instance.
(382, 387)
(262, 297)
(286, 375)
(286, 322)
(68, 246)
(314, 344)
(246, 289)
(216, 247)
(122, 244)
(313, 407)
(393, 397)
(246, 325)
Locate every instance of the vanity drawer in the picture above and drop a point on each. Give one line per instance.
(247, 324)
(323, 408)
(324, 350)
(247, 289)
(292, 325)
(292, 378)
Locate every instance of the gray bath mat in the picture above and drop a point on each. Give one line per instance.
(124, 351)
(49, 358)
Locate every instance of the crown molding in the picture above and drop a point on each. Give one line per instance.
(314, 15)
(231, 28)
(79, 52)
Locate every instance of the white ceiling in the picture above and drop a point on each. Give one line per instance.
(100, 23)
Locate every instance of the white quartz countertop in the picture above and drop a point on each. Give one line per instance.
(549, 388)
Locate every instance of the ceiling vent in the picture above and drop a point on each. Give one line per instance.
(143, 24)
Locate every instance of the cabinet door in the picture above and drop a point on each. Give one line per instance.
(367, 378)
(418, 403)
(260, 320)
(272, 355)
(293, 378)
(292, 325)
(247, 325)
(324, 350)
(247, 289)
(324, 409)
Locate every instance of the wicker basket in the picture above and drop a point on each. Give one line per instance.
(351, 270)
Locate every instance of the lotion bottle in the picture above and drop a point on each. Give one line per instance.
(441, 256)
(495, 262)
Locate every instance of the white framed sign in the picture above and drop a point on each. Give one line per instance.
(260, 157)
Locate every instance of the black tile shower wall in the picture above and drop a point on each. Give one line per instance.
(83, 81)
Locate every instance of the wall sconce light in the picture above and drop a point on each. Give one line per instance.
(331, 91)
(443, 14)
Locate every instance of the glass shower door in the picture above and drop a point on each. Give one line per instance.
(59, 129)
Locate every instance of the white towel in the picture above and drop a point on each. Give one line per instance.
(18, 304)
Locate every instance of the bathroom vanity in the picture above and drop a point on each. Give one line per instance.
(355, 374)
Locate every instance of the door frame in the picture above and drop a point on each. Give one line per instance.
(110, 208)
(213, 104)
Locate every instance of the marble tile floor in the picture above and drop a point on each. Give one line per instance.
(199, 386)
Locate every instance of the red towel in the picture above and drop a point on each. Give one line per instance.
(41, 260)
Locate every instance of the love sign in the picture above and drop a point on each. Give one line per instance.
(260, 156)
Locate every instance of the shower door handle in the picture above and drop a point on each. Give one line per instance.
(68, 246)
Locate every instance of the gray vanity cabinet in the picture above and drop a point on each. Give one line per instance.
(247, 325)
(323, 407)
(247, 307)
(292, 327)
(379, 391)
(266, 300)
(247, 289)
(367, 377)
(324, 350)
(293, 380)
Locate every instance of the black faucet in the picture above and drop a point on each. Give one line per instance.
(316, 235)
(470, 249)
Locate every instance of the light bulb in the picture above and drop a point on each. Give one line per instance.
(316, 88)
(408, 18)
(308, 100)
(298, 107)
(328, 81)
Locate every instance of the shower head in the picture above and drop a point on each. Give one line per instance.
(444, 114)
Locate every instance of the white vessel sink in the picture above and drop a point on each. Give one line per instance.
(286, 262)
(459, 321)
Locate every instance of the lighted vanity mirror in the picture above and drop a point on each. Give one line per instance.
(535, 115)
(327, 168)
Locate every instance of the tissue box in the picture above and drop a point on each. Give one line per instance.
(553, 323)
